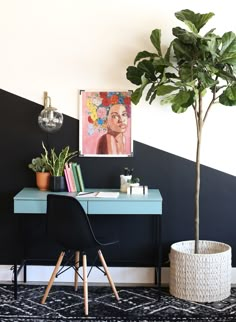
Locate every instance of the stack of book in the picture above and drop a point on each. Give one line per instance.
(74, 179)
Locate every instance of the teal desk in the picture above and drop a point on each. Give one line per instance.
(33, 201)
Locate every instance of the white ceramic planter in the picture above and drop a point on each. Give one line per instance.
(204, 277)
(124, 182)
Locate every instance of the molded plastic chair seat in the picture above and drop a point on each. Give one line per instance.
(69, 226)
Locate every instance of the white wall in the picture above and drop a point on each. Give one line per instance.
(65, 45)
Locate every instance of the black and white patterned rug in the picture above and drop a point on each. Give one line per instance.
(137, 304)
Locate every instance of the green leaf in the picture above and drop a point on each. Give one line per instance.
(165, 89)
(156, 40)
(197, 19)
(56, 163)
(206, 80)
(224, 100)
(228, 49)
(147, 67)
(184, 36)
(167, 54)
(182, 97)
(191, 26)
(171, 75)
(210, 32)
(228, 76)
(181, 51)
(168, 99)
(212, 69)
(152, 98)
(230, 92)
(159, 65)
(137, 94)
(150, 91)
(134, 75)
(229, 58)
(178, 108)
(187, 73)
(212, 45)
(160, 62)
(182, 101)
(228, 43)
(144, 54)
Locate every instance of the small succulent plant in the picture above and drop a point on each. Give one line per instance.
(39, 164)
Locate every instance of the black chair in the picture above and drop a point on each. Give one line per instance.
(69, 226)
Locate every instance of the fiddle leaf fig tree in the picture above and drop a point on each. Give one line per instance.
(196, 71)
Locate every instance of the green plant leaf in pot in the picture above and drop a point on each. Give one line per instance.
(56, 162)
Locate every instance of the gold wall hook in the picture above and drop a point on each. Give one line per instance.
(47, 100)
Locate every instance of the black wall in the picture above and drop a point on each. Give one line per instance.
(21, 141)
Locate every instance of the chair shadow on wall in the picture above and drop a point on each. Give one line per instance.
(69, 226)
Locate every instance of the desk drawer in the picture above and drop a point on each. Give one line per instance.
(37, 207)
(30, 206)
(124, 207)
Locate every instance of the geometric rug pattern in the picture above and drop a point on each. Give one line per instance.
(136, 304)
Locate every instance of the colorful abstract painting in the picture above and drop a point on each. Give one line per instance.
(105, 123)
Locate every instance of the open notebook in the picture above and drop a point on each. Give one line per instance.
(99, 194)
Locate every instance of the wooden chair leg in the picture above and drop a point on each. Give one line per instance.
(85, 284)
(108, 274)
(54, 273)
(76, 270)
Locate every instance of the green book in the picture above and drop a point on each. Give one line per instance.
(73, 166)
(80, 177)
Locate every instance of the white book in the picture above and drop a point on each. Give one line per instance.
(108, 194)
(99, 194)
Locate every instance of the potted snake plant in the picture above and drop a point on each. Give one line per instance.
(56, 164)
(193, 65)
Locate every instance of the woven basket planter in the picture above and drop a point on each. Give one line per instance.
(203, 277)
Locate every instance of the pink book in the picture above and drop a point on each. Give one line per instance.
(67, 180)
(70, 178)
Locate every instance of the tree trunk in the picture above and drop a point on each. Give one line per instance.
(199, 121)
(197, 195)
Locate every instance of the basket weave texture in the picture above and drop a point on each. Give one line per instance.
(203, 277)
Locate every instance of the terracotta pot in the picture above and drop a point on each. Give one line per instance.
(42, 180)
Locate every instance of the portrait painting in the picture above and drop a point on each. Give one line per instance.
(105, 123)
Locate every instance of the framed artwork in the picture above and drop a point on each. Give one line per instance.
(105, 124)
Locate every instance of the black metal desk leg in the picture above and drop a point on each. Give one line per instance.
(16, 273)
(159, 250)
(15, 281)
(25, 272)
